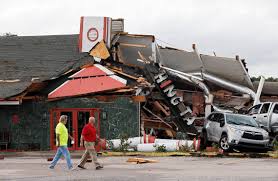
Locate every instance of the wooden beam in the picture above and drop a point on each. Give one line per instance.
(141, 160)
(124, 74)
(133, 45)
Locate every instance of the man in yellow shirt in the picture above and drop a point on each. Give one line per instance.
(62, 143)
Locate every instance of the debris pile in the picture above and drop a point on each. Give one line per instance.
(176, 89)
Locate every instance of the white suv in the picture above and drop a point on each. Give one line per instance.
(234, 130)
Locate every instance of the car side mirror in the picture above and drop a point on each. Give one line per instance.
(222, 122)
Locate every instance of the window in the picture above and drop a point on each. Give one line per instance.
(254, 110)
(210, 117)
(265, 108)
(221, 118)
(218, 117)
(275, 110)
(238, 119)
(214, 117)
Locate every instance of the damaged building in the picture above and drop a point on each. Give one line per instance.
(128, 82)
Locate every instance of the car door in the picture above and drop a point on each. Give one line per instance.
(217, 129)
(209, 126)
(213, 125)
(273, 118)
(262, 117)
(254, 111)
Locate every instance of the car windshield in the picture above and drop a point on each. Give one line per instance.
(241, 120)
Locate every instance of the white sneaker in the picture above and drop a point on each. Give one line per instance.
(72, 169)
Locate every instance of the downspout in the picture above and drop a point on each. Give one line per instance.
(227, 84)
(197, 81)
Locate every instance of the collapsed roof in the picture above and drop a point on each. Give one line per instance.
(226, 68)
(40, 58)
(269, 88)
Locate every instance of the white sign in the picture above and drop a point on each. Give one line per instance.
(92, 31)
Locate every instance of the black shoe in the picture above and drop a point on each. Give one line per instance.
(99, 167)
(79, 166)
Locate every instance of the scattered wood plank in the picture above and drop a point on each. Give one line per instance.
(158, 106)
(141, 160)
(139, 98)
(124, 74)
(142, 57)
(124, 90)
(87, 65)
(120, 55)
(133, 45)
(10, 81)
(100, 51)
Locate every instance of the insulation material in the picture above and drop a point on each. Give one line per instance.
(133, 142)
(153, 146)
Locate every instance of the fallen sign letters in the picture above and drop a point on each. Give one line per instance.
(141, 160)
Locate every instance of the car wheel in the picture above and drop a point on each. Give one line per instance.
(223, 143)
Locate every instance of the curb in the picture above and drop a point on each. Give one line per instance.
(47, 155)
(193, 154)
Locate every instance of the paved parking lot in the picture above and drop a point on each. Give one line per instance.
(168, 168)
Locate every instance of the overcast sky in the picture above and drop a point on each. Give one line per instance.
(246, 28)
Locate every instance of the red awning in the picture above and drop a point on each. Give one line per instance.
(89, 80)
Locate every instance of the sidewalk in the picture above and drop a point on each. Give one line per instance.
(43, 154)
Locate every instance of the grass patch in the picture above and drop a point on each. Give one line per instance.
(274, 154)
(147, 154)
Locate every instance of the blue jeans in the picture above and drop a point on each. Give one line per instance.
(62, 150)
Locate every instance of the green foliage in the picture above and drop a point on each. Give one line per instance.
(161, 148)
(215, 145)
(269, 79)
(275, 145)
(110, 145)
(185, 148)
(124, 142)
(8, 34)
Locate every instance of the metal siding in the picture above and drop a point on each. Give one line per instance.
(117, 25)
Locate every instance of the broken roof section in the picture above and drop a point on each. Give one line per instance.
(269, 88)
(39, 57)
(227, 68)
(180, 60)
(130, 47)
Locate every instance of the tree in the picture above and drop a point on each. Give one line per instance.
(8, 34)
(269, 79)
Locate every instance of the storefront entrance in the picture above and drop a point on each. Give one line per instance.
(77, 118)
